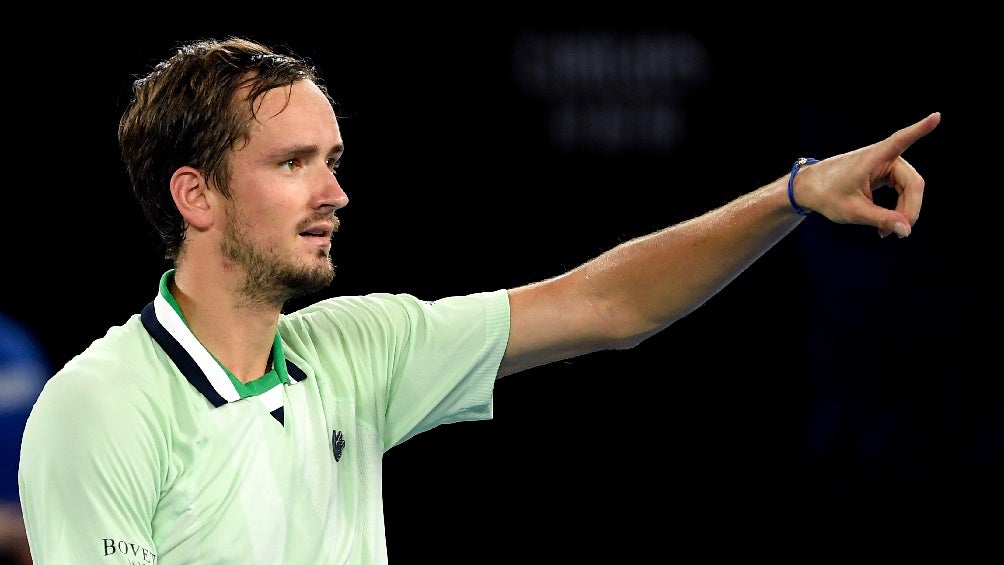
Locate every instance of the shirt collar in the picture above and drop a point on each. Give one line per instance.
(165, 322)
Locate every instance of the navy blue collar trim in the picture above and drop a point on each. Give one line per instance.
(188, 366)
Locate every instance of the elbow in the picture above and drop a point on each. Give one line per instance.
(629, 332)
(633, 340)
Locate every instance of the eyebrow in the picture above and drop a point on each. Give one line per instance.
(302, 150)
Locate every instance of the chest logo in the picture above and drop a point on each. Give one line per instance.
(337, 444)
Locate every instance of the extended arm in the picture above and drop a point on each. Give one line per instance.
(640, 287)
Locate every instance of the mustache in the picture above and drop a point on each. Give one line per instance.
(324, 217)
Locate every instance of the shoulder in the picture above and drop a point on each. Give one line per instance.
(400, 308)
(113, 382)
(392, 320)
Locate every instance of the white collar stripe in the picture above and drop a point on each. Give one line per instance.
(175, 326)
(272, 398)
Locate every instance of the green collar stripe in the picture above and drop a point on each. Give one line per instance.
(277, 374)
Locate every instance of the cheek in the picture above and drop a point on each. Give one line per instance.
(269, 206)
(270, 222)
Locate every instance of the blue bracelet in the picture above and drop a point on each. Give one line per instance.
(791, 182)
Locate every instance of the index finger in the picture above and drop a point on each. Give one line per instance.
(901, 140)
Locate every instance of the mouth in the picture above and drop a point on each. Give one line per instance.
(316, 233)
(320, 231)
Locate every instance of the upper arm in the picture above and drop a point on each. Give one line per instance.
(558, 319)
(88, 473)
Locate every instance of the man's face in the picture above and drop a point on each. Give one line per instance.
(280, 220)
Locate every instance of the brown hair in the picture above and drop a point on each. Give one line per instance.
(186, 111)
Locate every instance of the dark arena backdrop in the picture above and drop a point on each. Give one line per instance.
(841, 384)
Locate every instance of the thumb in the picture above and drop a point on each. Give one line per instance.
(891, 221)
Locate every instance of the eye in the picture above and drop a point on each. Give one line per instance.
(290, 164)
(333, 164)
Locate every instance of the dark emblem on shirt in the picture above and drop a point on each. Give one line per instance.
(337, 444)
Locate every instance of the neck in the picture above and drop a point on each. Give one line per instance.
(237, 332)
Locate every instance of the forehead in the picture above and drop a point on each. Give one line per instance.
(299, 114)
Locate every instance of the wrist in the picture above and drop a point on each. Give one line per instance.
(799, 163)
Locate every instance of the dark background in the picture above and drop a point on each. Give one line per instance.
(842, 383)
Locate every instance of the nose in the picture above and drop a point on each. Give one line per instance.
(332, 194)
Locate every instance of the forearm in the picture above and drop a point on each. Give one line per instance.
(638, 288)
(645, 284)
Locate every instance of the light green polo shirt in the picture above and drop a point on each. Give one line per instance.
(143, 449)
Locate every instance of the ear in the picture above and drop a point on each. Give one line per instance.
(189, 189)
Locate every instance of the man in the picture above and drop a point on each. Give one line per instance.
(213, 427)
